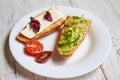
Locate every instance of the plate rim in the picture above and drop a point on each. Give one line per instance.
(59, 76)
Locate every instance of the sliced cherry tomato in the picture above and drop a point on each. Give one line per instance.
(33, 47)
(43, 56)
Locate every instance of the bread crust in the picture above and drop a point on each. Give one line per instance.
(50, 29)
(45, 32)
(61, 36)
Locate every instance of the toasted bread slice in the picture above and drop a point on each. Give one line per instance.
(50, 29)
(47, 30)
(72, 35)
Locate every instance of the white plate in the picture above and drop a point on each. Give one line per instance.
(90, 54)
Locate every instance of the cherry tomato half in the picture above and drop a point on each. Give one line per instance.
(33, 47)
(43, 56)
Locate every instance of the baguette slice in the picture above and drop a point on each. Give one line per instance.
(72, 35)
(46, 27)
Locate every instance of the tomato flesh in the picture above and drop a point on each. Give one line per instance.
(33, 47)
(43, 56)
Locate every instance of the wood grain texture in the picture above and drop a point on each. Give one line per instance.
(13, 10)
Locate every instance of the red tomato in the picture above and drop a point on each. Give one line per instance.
(43, 56)
(33, 47)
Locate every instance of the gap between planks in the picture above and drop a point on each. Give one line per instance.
(103, 71)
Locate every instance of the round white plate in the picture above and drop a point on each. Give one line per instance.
(88, 56)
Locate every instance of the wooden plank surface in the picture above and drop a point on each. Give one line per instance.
(13, 10)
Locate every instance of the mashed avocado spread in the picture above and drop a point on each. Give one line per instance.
(74, 32)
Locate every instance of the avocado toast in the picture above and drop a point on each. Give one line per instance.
(72, 35)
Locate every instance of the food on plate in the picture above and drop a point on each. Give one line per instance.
(72, 35)
(33, 47)
(43, 56)
(42, 24)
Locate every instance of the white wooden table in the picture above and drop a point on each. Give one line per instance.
(13, 10)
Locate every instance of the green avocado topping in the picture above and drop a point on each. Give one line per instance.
(73, 33)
